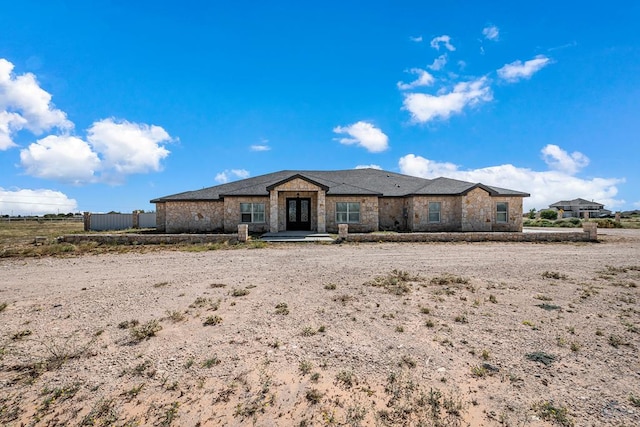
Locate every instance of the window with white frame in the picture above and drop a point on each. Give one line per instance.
(347, 212)
(251, 212)
(434, 211)
(502, 212)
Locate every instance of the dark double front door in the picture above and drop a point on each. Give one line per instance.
(299, 214)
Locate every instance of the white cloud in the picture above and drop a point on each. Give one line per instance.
(545, 187)
(260, 147)
(442, 41)
(424, 79)
(114, 149)
(368, 167)
(491, 32)
(127, 147)
(364, 135)
(518, 70)
(558, 159)
(425, 107)
(35, 202)
(231, 175)
(439, 62)
(62, 158)
(25, 105)
(417, 39)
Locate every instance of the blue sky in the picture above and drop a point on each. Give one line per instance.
(105, 105)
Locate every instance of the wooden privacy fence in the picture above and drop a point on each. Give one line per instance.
(118, 221)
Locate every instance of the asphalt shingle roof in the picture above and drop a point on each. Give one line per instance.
(350, 182)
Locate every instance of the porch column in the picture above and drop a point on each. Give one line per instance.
(322, 215)
(273, 211)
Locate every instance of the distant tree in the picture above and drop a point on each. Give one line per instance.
(549, 214)
(532, 213)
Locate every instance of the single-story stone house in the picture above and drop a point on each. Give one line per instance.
(365, 199)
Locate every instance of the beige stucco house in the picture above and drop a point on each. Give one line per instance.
(365, 199)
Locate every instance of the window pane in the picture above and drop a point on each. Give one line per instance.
(354, 207)
(304, 211)
(354, 216)
(341, 207)
(502, 207)
(292, 211)
(245, 207)
(341, 217)
(246, 217)
(258, 207)
(258, 217)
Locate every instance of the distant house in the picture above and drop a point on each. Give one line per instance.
(580, 208)
(365, 199)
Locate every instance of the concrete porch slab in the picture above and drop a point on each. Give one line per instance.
(296, 236)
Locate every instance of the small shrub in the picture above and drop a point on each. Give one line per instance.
(548, 411)
(217, 285)
(400, 328)
(345, 379)
(128, 324)
(425, 310)
(239, 292)
(330, 286)
(397, 282)
(429, 323)
(461, 318)
(282, 308)
(305, 367)
(635, 401)
(308, 331)
(160, 284)
(575, 346)
(314, 396)
(448, 279)
(543, 297)
(145, 331)
(212, 320)
(478, 371)
(3, 306)
(493, 299)
(176, 316)
(408, 361)
(554, 275)
(485, 355)
(549, 214)
(211, 362)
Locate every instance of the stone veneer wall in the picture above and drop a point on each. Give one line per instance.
(368, 213)
(161, 217)
(514, 221)
(578, 236)
(232, 214)
(450, 213)
(477, 211)
(193, 217)
(391, 213)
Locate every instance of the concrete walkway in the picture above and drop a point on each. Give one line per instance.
(296, 236)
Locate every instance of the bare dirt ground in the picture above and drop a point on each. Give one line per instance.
(373, 334)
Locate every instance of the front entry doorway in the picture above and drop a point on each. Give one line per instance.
(299, 214)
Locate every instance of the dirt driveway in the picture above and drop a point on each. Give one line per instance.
(312, 334)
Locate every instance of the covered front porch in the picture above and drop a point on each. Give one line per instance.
(297, 205)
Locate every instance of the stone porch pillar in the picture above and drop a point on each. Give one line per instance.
(273, 211)
(322, 212)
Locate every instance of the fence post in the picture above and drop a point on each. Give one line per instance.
(343, 231)
(592, 229)
(243, 232)
(87, 221)
(135, 219)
